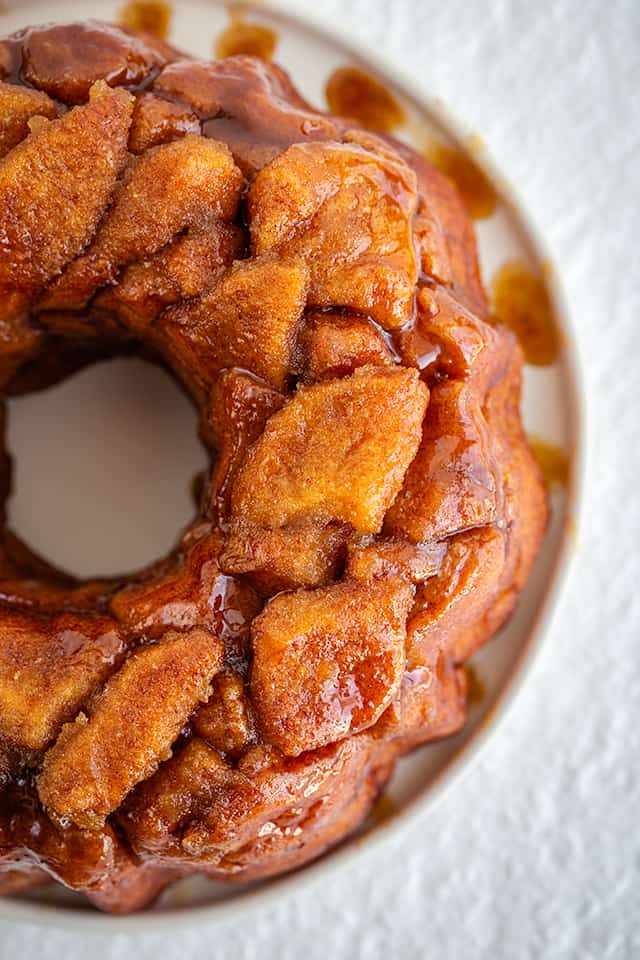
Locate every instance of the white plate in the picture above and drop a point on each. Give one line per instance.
(551, 404)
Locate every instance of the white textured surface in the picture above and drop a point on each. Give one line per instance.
(536, 852)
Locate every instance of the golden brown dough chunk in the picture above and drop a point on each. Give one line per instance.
(249, 104)
(184, 268)
(452, 605)
(66, 59)
(78, 858)
(239, 408)
(130, 728)
(370, 558)
(327, 662)
(131, 886)
(192, 593)
(48, 669)
(170, 188)
(225, 721)
(457, 264)
(183, 786)
(447, 338)
(17, 106)
(297, 807)
(452, 484)
(337, 451)
(54, 188)
(199, 808)
(157, 121)
(249, 319)
(432, 244)
(455, 481)
(347, 211)
(335, 345)
(432, 700)
(301, 554)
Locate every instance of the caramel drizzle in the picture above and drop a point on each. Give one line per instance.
(351, 92)
(520, 301)
(244, 36)
(149, 16)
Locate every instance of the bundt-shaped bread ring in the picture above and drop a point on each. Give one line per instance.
(372, 509)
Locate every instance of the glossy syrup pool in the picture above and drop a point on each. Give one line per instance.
(243, 35)
(152, 16)
(549, 405)
(352, 92)
(479, 195)
(519, 299)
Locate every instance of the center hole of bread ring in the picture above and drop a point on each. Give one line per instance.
(103, 467)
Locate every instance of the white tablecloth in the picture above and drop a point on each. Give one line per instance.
(536, 852)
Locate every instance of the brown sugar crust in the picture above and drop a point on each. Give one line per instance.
(372, 509)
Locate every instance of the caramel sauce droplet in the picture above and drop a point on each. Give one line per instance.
(351, 92)
(476, 690)
(478, 194)
(552, 460)
(520, 300)
(150, 16)
(244, 36)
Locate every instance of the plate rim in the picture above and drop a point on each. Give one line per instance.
(20, 910)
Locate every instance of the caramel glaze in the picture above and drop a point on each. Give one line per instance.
(66, 63)
(552, 460)
(147, 16)
(478, 195)
(350, 92)
(228, 802)
(243, 36)
(521, 302)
